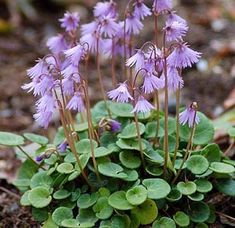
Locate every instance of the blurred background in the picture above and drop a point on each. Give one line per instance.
(25, 26)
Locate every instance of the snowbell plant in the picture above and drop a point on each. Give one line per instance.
(124, 162)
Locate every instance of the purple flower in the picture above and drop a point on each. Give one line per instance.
(161, 5)
(115, 126)
(76, 103)
(137, 59)
(189, 115)
(43, 118)
(89, 27)
(75, 54)
(70, 21)
(133, 24)
(120, 94)
(151, 83)
(71, 71)
(183, 56)
(38, 69)
(62, 147)
(141, 10)
(109, 26)
(142, 105)
(175, 30)
(40, 158)
(68, 86)
(174, 80)
(174, 17)
(45, 85)
(105, 8)
(57, 44)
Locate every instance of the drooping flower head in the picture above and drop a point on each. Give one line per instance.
(75, 54)
(76, 103)
(174, 17)
(120, 94)
(133, 24)
(162, 5)
(189, 116)
(175, 30)
(62, 147)
(183, 56)
(57, 44)
(151, 83)
(105, 8)
(109, 26)
(141, 10)
(115, 126)
(137, 60)
(70, 21)
(142, 105)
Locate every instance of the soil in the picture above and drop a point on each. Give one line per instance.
(22, 40)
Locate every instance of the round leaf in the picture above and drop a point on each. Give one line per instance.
(24, 200)
(36, 138)
(65, 168)
(121, 109)
(39, 197)
(187, 188)
(220, 167)
(154, 170)
(130, 144)
(226, 186)
(129, 159)
(87, 200)
(164, 222)
(41, 179)
(102, 209)
(203, 185)
(137, 195)
(197, 164)
(10, 139)
(118, 201)
(174, 195)
(181, 219)
(146, 212)
(60, 214)
(204, 131)
(199, 212)
(61, 194)
(231, 132)
(131, 175)
(111, 169)
(157, 188)
(84, 146)
(197, 196)
(102, 152)
(130, 131)
(212, 153)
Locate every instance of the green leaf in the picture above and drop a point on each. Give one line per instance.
(201, 225)
(174, 195)
(59, 137)
(231, 132)
(24, 200)
(220, 167)
(203, 185)
(226, 186)
(154, 156)
(212, 153)
(111, 169)
(60, 214)
(49, 223)
(65, 168)
(164, 222)
(84, 146)
(121, 109)
(197, 196)
(40, 214)
(87, 200)
(100, 110)
(154, 170)
(187, 188)
(130, 131)
(10, 139)
(118, 201)
(42, 140)
(146, 212)
(61, 194)
(87, 216)
(199, 212)
(131, 175)
(197, 164)
(204, 131)
(73, 223)
(171, 143)
(137, 195)
(157, 188)
(102, 152)
(119, 221)
(102, 209)
(41, 179)
(39, 197)
(181, 219)
(130, 159)
(130, 144)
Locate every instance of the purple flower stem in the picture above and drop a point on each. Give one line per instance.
(114, 80)
(189, 145)
(70, 140)
(177, 96)
(90, 129)
(100, 78)
(29, 157)
(166, 155)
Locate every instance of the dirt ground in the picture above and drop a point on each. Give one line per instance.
(22, 40)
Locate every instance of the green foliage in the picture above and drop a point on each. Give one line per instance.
(127, 192)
